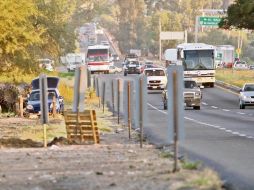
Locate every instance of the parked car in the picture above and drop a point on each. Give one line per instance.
(47, 64)
(192, 95)
(114, 69)
(33, 103)
(251, 67)
(240, 65)
(156, 78)
(246, 97)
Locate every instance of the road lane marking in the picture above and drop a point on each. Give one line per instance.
(241, 113)
(225, 110)
(214, 107)
(207, 124)
(204, 103)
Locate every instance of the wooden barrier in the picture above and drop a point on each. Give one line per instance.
(82, 127)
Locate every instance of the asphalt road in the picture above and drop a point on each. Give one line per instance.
(220, 135)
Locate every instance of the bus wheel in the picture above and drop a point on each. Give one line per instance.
(212, 85)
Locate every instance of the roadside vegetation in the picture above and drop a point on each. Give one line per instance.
(235, 77)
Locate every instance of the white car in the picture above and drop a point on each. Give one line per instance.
(156, 78)
(246, 97)
(240, 65)
(113, 69)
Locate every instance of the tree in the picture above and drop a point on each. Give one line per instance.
(240, 15)
(17, 32)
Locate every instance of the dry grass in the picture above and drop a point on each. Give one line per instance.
(235, 77)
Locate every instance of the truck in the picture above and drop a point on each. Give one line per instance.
(72, 60)
(98, 59)
(225, 55)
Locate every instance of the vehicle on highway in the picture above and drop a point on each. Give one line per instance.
(156, 78)
(192, 94)
(115, 57)
(225, 54)
(47, 64)
(113, 69)
(132, 67)
(246, 97)
(106, 43)
(147, 66)
(131, 57)
(251, 67)
(33, 103)
(98, 59)
(72, 60)
(197, 59)
(240, 65)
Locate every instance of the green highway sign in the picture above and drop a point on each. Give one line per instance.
(209, 21)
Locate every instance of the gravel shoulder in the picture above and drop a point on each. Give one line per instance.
(117, 163)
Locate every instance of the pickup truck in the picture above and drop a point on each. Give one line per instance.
(192, 95)
(156, 78)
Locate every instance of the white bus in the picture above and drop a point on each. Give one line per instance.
(197, 60)
(98, 58)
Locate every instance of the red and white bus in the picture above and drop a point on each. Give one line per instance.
(98, 58)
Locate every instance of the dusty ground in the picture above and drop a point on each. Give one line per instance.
(117, 163)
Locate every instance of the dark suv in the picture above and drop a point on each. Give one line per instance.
(132, 67)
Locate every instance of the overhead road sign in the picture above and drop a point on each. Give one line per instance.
(172, 35)
(209, 21)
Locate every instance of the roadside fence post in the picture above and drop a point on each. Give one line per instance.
(129, 108)
(98, 91)
(21, 104)
(103, 95)
(141, 111)
(118, 101)
(175, 96)
(113, 97)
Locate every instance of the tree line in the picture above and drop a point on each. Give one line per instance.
(33, 29)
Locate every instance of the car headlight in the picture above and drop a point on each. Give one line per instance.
(29, 107)
(246, 97)
(197, 93)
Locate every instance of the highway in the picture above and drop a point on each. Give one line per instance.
(220, 134)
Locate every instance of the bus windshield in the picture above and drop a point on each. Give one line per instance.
(198, 60)
(97, 55)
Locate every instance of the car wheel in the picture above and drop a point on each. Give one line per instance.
(196, 107)
(242, 106)
(165, 106)
(125, 74)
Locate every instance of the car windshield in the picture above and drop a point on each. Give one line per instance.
(198, 60)
(132, 63)
(154, 73)
(148, 66)
(98, 58)
(190, 84)
(35, 96)
(249, 87)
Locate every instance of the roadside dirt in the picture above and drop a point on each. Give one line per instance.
(117, 163)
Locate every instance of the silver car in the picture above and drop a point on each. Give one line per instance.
(192, 95)
(246, 97)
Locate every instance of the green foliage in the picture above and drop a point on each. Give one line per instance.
(240, 15)
(190, 165)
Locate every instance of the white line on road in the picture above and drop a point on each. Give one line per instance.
(204, 103)
(207, 124)
(225, 110)
(241, 113)
(214, 107)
